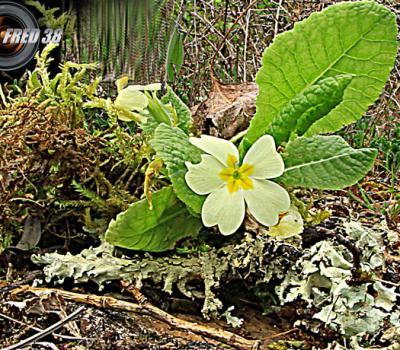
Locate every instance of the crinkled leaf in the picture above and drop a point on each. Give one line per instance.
(156, 230)
(149, 126)
(325, 162)
(357, 38)
(306, 108)
(173, 147)
(183, 113)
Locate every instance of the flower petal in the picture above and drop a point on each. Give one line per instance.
(221, 149)
(266, 200)
(224, 209)
(204, 178)
(233, 185)
(267, 162)
(246, 170)
(291, 224)
(131, 100)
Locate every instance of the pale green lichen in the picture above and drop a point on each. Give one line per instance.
(391, 336)
(323, 278)
(211, 267)
(321, 275)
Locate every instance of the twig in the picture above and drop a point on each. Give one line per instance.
(137, 294)
(388, 282)
(37, 329)
(281, 334)
(278, 12)
(45, 332)
(30, 278)
(221, 335)
(227, 35)
(246, 39)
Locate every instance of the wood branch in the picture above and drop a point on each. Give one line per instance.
(135, 292)
(147, 309)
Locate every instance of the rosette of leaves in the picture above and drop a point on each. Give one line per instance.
(316, 78)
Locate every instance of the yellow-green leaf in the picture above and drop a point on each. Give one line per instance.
(357, 38)
(153, 230)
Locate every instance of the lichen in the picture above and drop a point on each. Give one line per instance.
(323, 276)
(252, 256)
(324, 279)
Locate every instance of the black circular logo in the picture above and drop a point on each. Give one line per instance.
(18, 36)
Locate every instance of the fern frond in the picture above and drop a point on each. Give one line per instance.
(92, 196)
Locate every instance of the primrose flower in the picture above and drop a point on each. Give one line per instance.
(231, 186)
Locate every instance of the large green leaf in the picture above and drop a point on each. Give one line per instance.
(306, 108)
(357, 38)
(173, 147)
(156, 230)
(325, 162)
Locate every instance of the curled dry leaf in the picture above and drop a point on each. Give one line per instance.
(227, 110)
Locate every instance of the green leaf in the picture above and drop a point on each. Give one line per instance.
(155, 230)
(306, 108)
(184, 115)
(157, 109)
(158, 113)
(357, 38)
(174, 55)
(325, 162)
(173, 147)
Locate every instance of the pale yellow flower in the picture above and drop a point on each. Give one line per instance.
(231, 186)
(290, 224)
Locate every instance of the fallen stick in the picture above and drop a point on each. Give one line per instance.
(147, 309)
(37, 329)
(49, 330)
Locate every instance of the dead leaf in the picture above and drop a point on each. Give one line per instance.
(227, 110)
(32, 234)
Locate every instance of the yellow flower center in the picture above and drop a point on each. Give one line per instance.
(235, 176)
